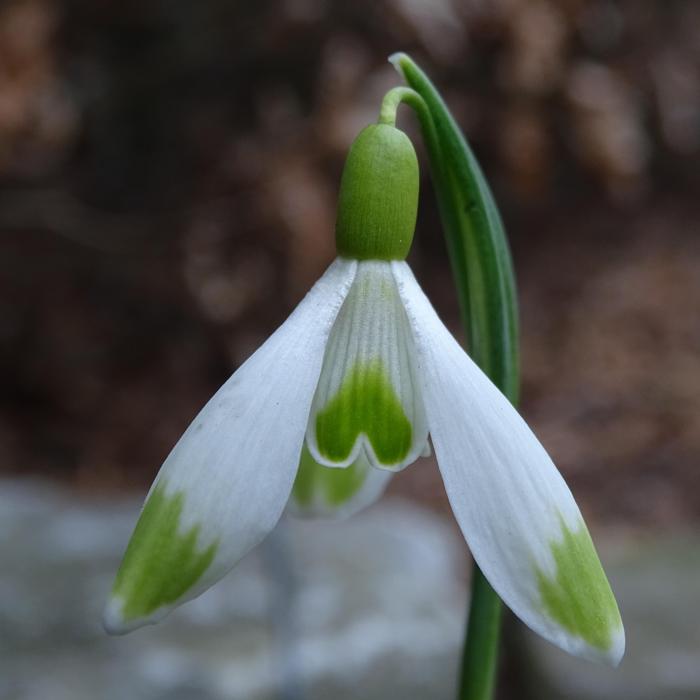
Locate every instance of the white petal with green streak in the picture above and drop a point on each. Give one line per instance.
(226, 482)
(368, 397)
(321, 491)
(517, 514)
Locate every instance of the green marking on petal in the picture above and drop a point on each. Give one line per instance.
(305, 481)
(160, 563)
(337, 486)
(579, 597)
(342, 486)
(366, 403)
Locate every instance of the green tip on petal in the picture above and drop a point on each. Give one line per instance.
(378, 200)
(334, 486)
(160, 565)
(579, 597)
(366, 404)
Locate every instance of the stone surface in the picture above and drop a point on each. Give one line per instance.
(369, 607)
(322, 608)
(657, 584)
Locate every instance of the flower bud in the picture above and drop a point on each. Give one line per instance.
(378, 197)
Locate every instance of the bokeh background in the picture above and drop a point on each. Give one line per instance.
(168, 175)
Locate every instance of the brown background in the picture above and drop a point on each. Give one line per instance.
(168, 173)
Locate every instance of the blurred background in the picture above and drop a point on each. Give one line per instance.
(168, 175)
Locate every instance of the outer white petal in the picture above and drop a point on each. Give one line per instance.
(512, 505)
(234, 467)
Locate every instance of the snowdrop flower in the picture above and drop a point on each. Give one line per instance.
(357, 379)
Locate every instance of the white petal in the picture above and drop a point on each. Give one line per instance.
(522, 524)
(321, 491)
(226, 482)
(368, 397)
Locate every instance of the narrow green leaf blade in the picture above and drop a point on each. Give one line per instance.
(476, 239)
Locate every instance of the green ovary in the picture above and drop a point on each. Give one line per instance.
(337, 486)
(579, 597)
(160, 564)
(366, 403)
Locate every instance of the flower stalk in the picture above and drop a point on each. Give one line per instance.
(483, 275)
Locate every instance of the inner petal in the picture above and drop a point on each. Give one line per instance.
(368, 395)
(324, 491)
(366, 404)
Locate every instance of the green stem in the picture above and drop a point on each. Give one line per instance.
(398, 95)
(391, 102)
(483, 274)
(480, 654)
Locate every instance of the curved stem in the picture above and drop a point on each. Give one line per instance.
(393, 99)
(480, 652)
(483, 273)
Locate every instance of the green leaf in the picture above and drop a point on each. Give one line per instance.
(477, 243)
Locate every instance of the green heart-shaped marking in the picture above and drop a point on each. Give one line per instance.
(366, 403)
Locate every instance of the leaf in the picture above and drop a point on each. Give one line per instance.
(477, 243)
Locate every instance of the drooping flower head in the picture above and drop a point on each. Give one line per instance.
(347, 391)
